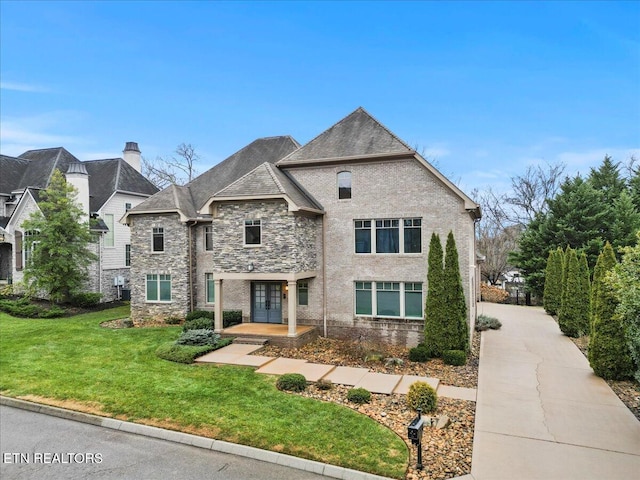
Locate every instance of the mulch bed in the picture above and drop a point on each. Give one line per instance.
(446, 453)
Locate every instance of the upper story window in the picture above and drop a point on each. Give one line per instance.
(388, 233)
(344, 185)
(208, 238)
(127, 206)
(109, 237)
(252, 232)
(157, 240)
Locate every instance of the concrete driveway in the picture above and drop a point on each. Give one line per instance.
(541, 412)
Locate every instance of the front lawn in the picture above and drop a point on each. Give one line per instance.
(114, 372)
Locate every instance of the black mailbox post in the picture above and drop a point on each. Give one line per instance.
(414, 433)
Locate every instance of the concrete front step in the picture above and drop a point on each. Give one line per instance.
(251, 340)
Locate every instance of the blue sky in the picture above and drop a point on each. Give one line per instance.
(482, 88)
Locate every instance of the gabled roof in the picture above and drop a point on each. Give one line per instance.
(358, 135)
(266, 181)
(187, 200)
(12, 172)
(114, 175)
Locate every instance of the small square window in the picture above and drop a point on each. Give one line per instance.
(127, 206)
(252, 232)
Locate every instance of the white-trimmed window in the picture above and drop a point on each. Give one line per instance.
(344, 185)
(252, 232)
(30, 243)
(158, 287)
(157, 239)
(391, 235)
(210, 288)
(303, 293)
(389, 299)
(109, 237)
(208, 238)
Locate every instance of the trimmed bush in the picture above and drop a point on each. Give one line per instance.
(202, 336)
(419, 353)
(187, 353)
(359, 395)
(198, 314)
(422, 395)
(231, 317)
(291, 382)
(485, 322)
(53, 312)
(173, 320)
(198, 324)
(24, 309)
(85, 299)
(454, 357)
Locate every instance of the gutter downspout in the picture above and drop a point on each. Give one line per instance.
(324, 280)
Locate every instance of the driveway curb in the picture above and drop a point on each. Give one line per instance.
(194, 440)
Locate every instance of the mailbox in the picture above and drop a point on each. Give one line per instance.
(414, 430)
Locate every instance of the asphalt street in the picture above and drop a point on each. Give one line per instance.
(38, 446)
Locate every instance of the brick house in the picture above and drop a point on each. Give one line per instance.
(333, 234)
(106, 189)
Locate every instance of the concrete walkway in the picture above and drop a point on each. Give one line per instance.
(541, 412)
(241, 354)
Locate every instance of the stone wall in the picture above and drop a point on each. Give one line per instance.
(173, 261)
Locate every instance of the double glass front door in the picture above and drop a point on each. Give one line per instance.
(267, 302)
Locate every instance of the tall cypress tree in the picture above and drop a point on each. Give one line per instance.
(583, 320)
(570, 312)
(553, 282)
(456, 329)
(609, 353)
(434, 311)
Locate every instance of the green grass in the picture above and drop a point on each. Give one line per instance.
(117, 372)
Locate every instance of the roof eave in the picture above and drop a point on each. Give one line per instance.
(292, 206)
(125, 218)
(349, 159)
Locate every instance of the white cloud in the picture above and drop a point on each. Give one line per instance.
(39, 131)
(22, 87)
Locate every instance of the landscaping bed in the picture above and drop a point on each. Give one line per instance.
(446, 453)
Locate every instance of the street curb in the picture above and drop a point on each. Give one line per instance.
(194, 441)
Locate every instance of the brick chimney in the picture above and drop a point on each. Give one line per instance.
(131, 155)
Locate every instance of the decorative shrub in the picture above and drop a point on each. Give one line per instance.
(198, 314)
(492, 294)
(202, 336)
(85, 299)
(485, 322)
(198, 324)
(231, 317)
(422, 395)
(23, 308)
(359, 395)
(454, 357)
(292, 382)
(172, 320)
(323, 384)
(187, 353)
(420, 353)
(53, 312)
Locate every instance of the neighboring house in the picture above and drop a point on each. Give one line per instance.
(333, 234)
(106, 189)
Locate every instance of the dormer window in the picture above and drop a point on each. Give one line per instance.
(344, 185)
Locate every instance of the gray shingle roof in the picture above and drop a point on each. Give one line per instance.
(12, 170)
(267, 180)
(356, 135)
(191, 197)
(42, 163)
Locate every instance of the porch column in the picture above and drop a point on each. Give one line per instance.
(217, 309)
(293, 303)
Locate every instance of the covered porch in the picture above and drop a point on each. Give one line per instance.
(268, 294)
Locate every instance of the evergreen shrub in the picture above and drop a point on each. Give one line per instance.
(454, 357)
(291, 382)
(485, 322)
(420, 353)
(422, 395)
(198, 324)
(201, 337)
(359, 395)
(85, 299)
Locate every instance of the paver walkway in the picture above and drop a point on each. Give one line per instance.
(541, 413)
(241, 354)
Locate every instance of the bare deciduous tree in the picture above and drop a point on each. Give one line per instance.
(174, 170)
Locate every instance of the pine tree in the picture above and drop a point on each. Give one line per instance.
(553, 282)
(435, 309)
(456, 328)
(608, 353)
(58, 264)
(570, 312)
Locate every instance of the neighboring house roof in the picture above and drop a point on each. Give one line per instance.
(357, 135)
(266, 181)
(114, 175)
(187, 200)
